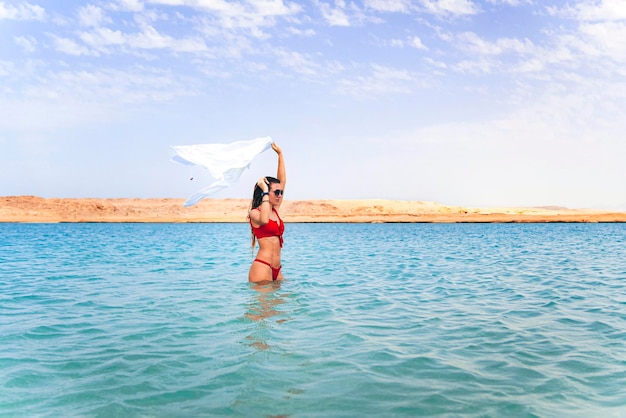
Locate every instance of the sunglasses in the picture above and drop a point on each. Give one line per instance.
(278, 192)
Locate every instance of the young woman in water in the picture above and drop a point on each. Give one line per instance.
(267, 227)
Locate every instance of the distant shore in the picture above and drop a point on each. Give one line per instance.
(167, 210)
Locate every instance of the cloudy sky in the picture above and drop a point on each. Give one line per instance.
(462, 102)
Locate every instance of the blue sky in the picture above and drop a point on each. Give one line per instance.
(462, 102)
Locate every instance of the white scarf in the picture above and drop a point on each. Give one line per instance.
(225, 162)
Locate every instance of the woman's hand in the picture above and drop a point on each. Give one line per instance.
(263, 184)
(276, 148)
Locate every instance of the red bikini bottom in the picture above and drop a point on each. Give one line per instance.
(275, 271)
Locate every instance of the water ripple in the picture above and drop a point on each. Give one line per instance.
(373, 320)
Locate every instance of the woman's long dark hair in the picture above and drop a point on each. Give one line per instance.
(256, 202)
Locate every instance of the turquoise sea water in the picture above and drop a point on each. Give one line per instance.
(158, 320)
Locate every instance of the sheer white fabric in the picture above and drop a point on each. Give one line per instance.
(225, 162)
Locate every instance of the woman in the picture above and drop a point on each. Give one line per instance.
(267, 227)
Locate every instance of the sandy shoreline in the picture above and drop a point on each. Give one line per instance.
(37, 209)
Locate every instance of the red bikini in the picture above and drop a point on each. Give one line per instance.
(275, 271)
(270, 229)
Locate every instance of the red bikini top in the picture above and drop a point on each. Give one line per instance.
(270, 229)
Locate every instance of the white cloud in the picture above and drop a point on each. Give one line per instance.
(344, 13)
(561, 146)
(70, 47)
(251, 15)
(500, 55)
(28, 43)
(91, 15)
(594, 10)
(571, 50)
(450, 7)
(382, 80)
(599, 40)
(335, 16)
(127, 5)
(22, 12)
(436, 7)
(102, 37)
(478, 66)
(70, 98)
(402, 6)
(335, 67)
(275, 8)
(469, 41)
(510, 2)
(347, 14)
(301, 32)
(416, 42)
(413, 42)
(135, 85)
(150, 38)
(609, 39)
(300, 63)
(6, 68)
(435, 63)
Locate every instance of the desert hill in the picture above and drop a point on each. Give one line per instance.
(37, 209)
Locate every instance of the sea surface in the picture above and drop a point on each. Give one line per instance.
(389, 320)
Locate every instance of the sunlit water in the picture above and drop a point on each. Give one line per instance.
(372, 320)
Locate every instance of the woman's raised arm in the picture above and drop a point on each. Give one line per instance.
(281, 174)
